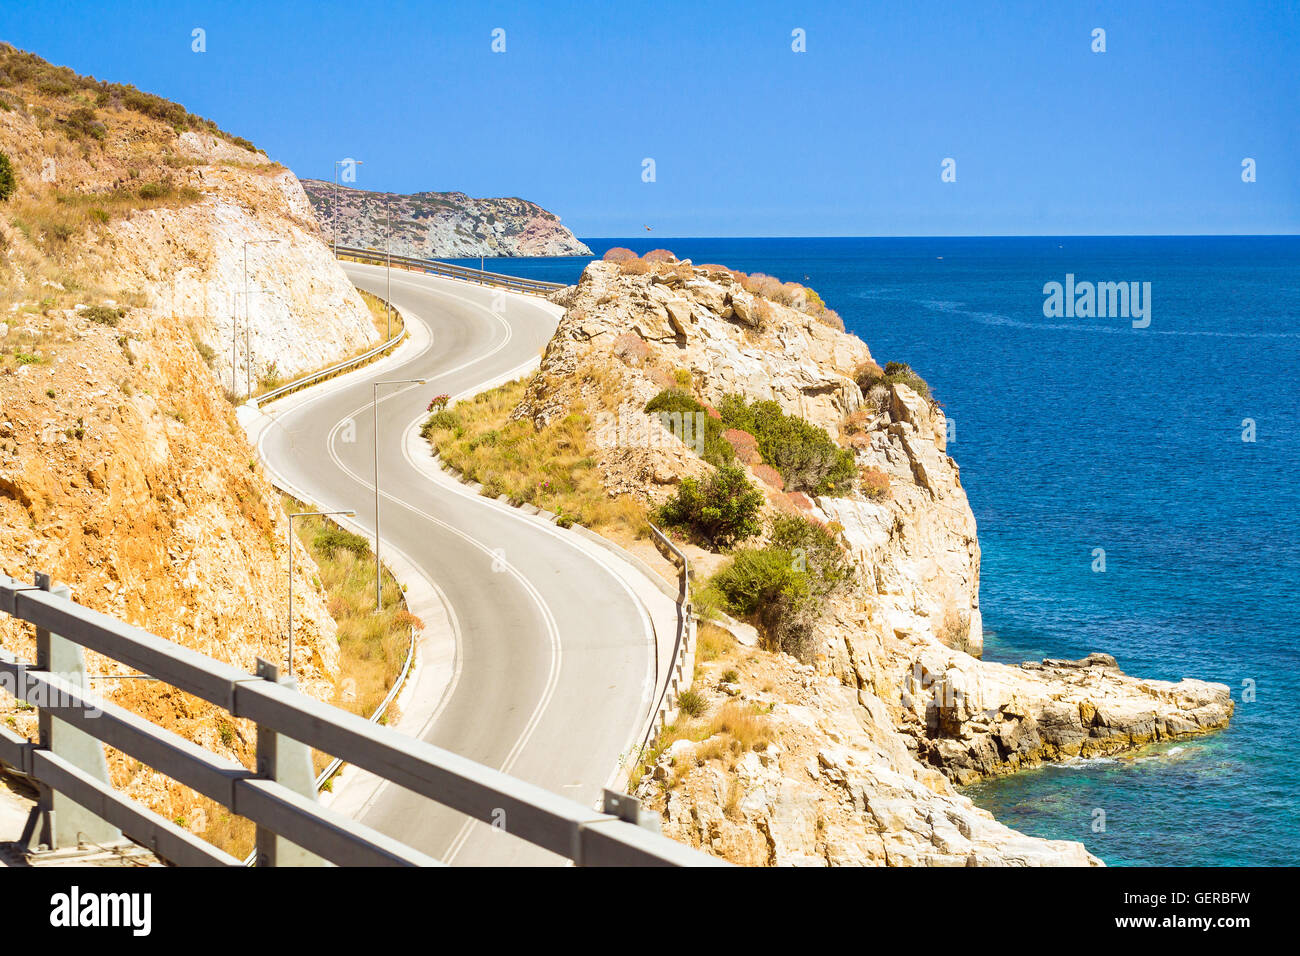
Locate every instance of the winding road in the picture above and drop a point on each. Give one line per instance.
(545, 665)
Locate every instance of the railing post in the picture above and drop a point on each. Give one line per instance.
(56, 821)
(287, 762)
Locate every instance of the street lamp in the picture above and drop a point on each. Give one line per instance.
(379, 598)
(302, 514)
(335, 227)
(388, 254)
(248, 349)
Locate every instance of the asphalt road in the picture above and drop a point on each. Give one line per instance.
(554, 654)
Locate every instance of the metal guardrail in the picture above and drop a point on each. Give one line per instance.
(292, 826)
(332, 370)
(682, 647)
(434, 267)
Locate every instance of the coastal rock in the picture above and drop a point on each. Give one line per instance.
(433, 225)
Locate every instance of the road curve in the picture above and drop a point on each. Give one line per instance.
(554, 664)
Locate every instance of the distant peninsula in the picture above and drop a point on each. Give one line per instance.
(434, 225)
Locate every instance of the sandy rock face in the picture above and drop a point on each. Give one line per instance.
(190, 262)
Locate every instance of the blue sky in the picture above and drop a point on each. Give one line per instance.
(748, 137)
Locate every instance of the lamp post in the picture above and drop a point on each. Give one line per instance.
(335, 227)
(234, 344)
(379, 595)
(388, 254)
(248, 349)
(302, 514)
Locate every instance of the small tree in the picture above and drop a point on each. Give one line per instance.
(723, 509)
(7, 181)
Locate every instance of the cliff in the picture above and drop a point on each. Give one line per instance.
(431, 225)
(851, 755)
(122, 469)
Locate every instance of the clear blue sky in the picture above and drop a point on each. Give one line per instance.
(748, 137)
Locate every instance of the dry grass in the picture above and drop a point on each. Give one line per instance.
(873, 483)
(731, 731)
(711, 642)
(553, 468)
(372, 647)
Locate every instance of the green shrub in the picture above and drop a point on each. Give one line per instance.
(444, 419)
(816, 547)
(803, 453)
(331, 539)
(672, 402)
(691, 703)
(104, 315)
(871, 375)
(82, 122)
(154, 191)
(783, 585)
(7, 181)
(756, 578)
(723, 509)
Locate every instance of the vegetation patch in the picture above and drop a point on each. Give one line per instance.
(869, 375)
(104, 315)
(674, 405)
(782, 586)
(803, 453)
(553, 467)
(7, 182)
(372, 646)
(723, 508)
(730, 732)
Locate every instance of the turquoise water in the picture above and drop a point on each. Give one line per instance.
(1081, 433)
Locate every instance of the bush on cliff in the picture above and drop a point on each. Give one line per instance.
(781, 586)
(7, 182)
(722, 509)
(685, 417)
(803, 453)
(869, 375)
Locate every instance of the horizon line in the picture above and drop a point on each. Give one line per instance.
(1008, 235)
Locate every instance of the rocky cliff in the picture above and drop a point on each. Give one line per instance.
(850, 757)
(122, 469)
(432, 225)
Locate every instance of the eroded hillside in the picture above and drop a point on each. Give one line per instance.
(122, 469)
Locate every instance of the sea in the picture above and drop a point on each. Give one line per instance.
(1134, 483)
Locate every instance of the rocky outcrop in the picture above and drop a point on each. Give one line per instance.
(853, 756)
(431, 225)
(301, 312)
(834, 786)
(975, 719)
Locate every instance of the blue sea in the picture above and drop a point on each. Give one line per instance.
(1078, 434)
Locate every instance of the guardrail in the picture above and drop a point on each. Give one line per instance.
(332, 370)
(433, 267)
(67, 761)
(683, 660)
